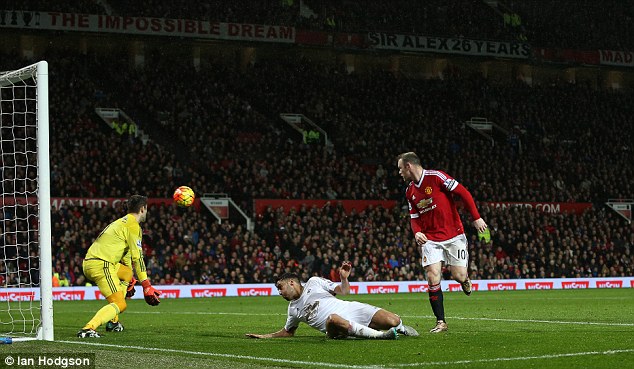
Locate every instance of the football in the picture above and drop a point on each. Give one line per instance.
(184, 196)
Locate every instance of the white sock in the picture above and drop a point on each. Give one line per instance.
(359, 330)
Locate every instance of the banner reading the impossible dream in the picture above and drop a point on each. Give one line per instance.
(56, 21)
(446, 45)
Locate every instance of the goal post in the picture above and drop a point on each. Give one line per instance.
(26, 297)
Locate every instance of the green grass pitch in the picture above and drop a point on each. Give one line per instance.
(504, 329)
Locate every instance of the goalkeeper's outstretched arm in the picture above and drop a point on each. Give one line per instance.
(279, 334)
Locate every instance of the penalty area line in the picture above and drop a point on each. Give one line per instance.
(519, 358)
(336, 365)
(227, 356)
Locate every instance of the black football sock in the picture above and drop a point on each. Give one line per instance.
(435, 299)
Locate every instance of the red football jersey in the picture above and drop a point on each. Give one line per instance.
(432, 208)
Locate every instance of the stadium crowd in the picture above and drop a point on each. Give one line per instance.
(236, 112)
(241, 114)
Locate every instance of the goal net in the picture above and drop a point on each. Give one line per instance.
(26, 307)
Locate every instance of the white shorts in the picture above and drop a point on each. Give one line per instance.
(452, 252)
(358, 312)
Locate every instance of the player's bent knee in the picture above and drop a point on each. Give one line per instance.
(393, 320)
(384, 319)
(119, 300)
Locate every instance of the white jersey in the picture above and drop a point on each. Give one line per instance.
(317, 302)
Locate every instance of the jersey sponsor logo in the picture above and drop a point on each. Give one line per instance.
(418, 287)
(428, 190)
(209, 292)
(539, 285)
(609, 284)
(17, 296)
(572, 285)
(255, 291)
(424, 203)
(502, 286)
(428, 209)
(68, 295)
(393, 288)
(170, 294)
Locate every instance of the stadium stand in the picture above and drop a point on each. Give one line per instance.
(223, 122)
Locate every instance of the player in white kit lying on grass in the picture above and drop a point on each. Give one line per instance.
(316, 305)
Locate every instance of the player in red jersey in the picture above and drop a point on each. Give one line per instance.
(437, 227)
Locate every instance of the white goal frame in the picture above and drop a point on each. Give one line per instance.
(39, 72)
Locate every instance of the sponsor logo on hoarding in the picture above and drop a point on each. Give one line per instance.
(68, 295)
(393, 288)
(502, 286)
(418, 287)
(17, 296)
(209, 292)
(609, 284)
(455, 287)
(170, 294)
(573, 285)
(254, 291)
(354, 290)
(539, 285)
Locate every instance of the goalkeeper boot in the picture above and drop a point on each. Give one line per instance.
(408, 331)
(441, 326)
(114, 327)
(88, 333)
(466, 287)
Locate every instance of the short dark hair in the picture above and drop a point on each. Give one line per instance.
(135, 203)
(286, 276)
(409, 157)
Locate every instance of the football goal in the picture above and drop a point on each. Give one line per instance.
(26, 306)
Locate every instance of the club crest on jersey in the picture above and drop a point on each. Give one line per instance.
(428, 190)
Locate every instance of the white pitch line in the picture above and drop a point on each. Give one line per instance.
(337, 365)
(519, 358)
(229, 356)
(537, 321)
(404, 316)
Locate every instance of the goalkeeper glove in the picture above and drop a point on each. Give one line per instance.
(150, 294)
(130, 292)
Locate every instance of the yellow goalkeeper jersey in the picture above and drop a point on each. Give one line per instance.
(119, 238)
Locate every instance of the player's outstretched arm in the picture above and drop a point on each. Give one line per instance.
(279, 334)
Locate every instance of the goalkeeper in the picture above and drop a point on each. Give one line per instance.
(105, 264)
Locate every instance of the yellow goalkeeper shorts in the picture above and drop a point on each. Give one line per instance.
(104, 275)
